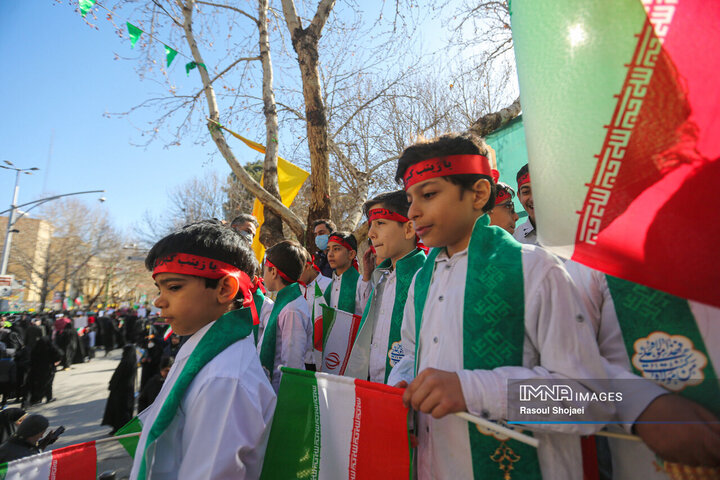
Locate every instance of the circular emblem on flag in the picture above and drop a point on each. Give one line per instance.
(396, 353)
(670, 360)
(332, 361)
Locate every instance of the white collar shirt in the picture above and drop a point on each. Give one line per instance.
(222, 425)
(294, 338)
(362, 293)
(558, 343)
(526, 233)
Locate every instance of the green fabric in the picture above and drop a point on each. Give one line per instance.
(134, 33)
(86, 6)
(493, 328)
(228, 329)
(348, 289)
(511, 152)
(297, 411)
(642, 311)
(130, 444)
(259, 300)
(267, 350)
(170, 55)
(191, 65)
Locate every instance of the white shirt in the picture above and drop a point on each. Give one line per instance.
(632, 460)
(362, 293)
(559, 343)
(526, 233)
(264, 315)
(221, 427)
(294, 338)
(309, 291)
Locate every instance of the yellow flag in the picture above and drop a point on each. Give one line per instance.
(290, 179)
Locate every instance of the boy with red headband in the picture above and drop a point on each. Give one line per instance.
(212, 417)
(503, 213)
(377, 346)
(482, 311)
(348, 291)
(526, 232)
(288, 335)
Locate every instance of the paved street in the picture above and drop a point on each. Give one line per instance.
(81, 393)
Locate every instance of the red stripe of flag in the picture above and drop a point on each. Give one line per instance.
(76, 462)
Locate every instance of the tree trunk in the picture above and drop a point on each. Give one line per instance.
(487, 124)
(305, 43)
(267, 199)
(271, 230)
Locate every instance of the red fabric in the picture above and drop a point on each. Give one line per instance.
(280, 272)
(186, 264)
(376, 213)
(523, 180)
(591, 469)
(658, 225)
(76, 462)
(446, 166)
(502, 195)
(495, 175)
(380, 435)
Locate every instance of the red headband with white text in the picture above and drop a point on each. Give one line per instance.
(376, 213)
(523, 180)
(195, 265)
(502, 196)
(446, 166)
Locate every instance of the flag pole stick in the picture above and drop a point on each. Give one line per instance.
(622, 436)
(494, 427)
(119, 437)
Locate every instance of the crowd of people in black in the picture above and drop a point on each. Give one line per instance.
(33, 347)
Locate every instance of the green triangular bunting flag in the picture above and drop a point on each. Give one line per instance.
(191, 65)
(134, 32)
(85, 6)
(169, 55)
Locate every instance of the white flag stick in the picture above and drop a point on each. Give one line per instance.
(499, 429)
(622, 436)
(119, 437)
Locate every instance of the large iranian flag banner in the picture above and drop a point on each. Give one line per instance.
(621, 108)
(328, 427)
(339, 329)
(76, 462)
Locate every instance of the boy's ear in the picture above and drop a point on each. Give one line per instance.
(481, 193)
(352, 254)
(228, 288)
(409, 230)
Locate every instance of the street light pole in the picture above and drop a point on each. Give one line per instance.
(14, 206)
(11, 216)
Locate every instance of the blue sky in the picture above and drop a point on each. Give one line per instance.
(59, 77)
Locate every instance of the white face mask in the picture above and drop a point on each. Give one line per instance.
(248, 237)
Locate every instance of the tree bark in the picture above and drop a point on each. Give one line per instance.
(266, 198)
(271, 230)
(487, 124)
(305, 43)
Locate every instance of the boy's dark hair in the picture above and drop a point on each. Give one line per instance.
(396, 202)
(206, 238)
(245, 218)
(289, 257)
(443, 146)
(348, 237)
(522, 172)
(328, 223)
(308, 256)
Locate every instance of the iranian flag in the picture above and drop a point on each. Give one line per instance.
(621, 108)
(328, 427)
(76, 462)
(339, 329)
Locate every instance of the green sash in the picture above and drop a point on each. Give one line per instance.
(406, 268)
(267, 350)
(664, 343)
(348, 287)
(228, 329)
(493, 334)
(259, 300)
